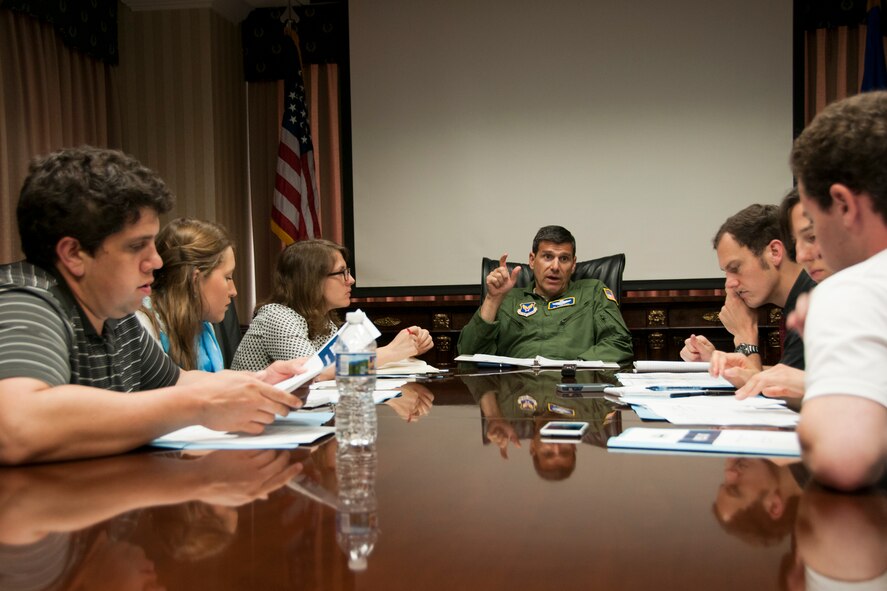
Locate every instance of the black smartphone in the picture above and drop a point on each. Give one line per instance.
(579, 390)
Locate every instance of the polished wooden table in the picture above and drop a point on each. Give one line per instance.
(467, 496)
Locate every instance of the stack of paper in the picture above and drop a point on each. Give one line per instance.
(410, 365)
(321, 396)
(697, 399)
(537, 361)
(672, 366)
(297, 428)
(669, 385)
(661, 380)
(719, 410)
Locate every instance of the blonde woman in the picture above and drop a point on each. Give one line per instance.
(192, 290)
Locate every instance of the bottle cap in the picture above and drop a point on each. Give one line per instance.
(356, 317)
(357, 563)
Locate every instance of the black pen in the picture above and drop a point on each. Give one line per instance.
(716, 392)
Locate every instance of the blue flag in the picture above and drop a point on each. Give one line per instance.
(874, 75)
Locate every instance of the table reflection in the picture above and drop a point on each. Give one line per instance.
(357, 524)
(514, 407)
(841, 540)
(415, 401)
(838, 540)
(758, 499)
(427, 509)
(106, 523)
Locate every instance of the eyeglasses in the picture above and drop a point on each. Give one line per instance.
(345, 273)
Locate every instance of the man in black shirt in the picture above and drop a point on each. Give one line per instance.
(759, 270)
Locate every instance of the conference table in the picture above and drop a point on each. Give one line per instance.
(463, 493)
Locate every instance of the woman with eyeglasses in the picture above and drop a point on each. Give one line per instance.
(310, 283)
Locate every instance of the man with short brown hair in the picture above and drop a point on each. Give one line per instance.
(759, 270)
(840, 161)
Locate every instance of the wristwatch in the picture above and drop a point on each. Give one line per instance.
(747, 349)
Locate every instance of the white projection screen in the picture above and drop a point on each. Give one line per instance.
(640, 126)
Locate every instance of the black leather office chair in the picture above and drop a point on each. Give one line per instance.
(607, 269)
(228, 334)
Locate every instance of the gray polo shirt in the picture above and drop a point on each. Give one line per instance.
(45, 335)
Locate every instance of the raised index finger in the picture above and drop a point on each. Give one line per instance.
(502, 259)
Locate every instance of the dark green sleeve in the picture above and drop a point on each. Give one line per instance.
(612, 340)
(478, 336)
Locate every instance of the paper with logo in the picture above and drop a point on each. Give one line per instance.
(317, 362)
(724, 441)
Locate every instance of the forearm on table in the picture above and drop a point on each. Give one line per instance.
(72, 421)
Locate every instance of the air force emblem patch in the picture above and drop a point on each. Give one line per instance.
(527, 309)
(609, 293)
(527, 403)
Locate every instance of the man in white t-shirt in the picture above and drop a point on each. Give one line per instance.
(840, 162)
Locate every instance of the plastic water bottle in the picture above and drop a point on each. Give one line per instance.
(357, 526)
(355, 351)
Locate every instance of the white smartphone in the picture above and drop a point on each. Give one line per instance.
(565, 429)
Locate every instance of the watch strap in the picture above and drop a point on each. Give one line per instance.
(747, 349)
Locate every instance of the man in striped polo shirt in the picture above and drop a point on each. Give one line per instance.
(71, 350)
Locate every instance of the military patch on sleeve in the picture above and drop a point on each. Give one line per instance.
(527, 403)
(527, 309)
(609, 293)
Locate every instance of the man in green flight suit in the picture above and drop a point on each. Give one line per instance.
(554, 316)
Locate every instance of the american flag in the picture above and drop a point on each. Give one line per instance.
(295, 212)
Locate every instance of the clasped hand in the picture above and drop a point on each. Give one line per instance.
(410, 342)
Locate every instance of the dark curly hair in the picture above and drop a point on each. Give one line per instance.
(847, 144)
(754, 227)
(85, 193)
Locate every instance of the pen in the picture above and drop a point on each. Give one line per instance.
(407, 376)
(728, 389)
(689, 393)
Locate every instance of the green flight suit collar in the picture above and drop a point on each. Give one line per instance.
(531, 291)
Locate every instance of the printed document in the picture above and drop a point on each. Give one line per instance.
(729, 441)
(537, 361)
